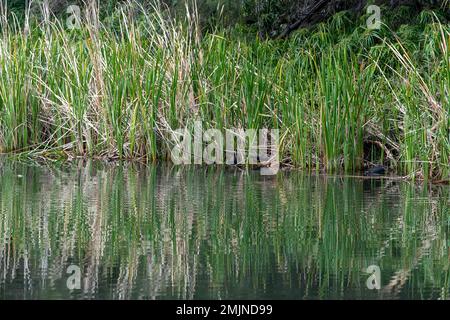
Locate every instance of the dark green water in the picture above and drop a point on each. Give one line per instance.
(157, 232)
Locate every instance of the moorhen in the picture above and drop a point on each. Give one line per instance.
(375, 171)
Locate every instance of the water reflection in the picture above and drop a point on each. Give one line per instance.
(141, 232)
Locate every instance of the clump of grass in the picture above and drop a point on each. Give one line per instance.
(120, 92)
(423, 104)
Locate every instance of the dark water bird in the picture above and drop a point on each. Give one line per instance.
(375, 171)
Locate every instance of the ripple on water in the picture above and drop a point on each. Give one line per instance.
(158, 232)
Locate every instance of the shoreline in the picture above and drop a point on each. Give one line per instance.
(284, 167)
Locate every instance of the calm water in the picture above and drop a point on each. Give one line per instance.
(140, 232)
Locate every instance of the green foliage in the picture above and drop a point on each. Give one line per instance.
(334, 90)
(267, 13)
(272, 16)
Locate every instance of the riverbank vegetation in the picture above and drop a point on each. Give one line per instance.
(343, 96)
(185, 233)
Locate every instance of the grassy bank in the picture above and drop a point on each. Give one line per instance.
(341, 95)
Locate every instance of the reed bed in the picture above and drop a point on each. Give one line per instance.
(343, 96)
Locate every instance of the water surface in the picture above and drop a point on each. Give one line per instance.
(159, 232)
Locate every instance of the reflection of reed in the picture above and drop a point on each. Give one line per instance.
(140, 232)
(429, 235)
